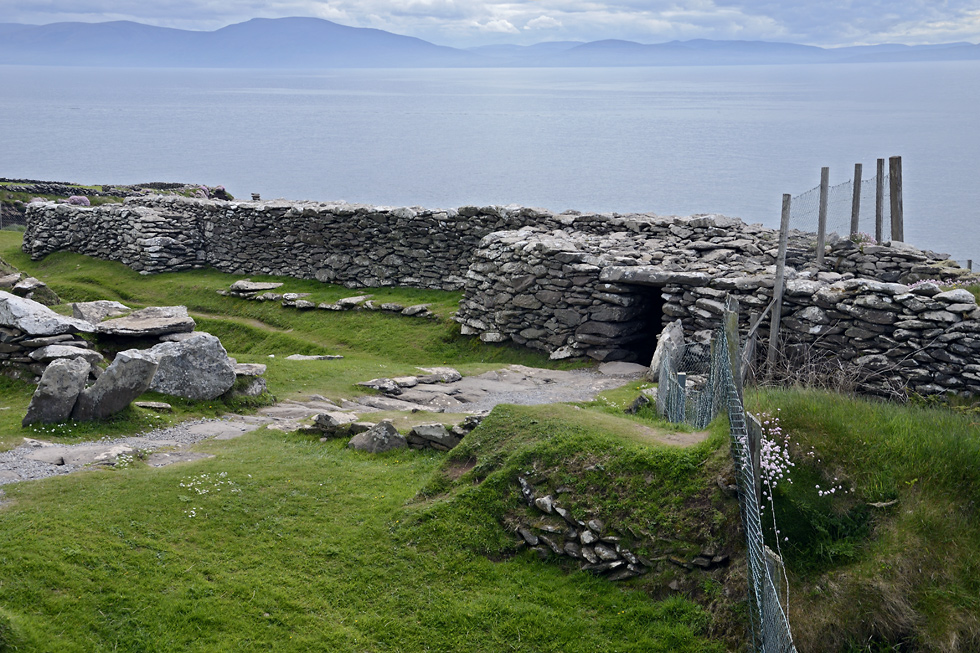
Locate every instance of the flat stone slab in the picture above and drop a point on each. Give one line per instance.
(158, 406)
(97, 311)
(151, 321)
(37, 319)
(249, 369)
(622, 369)
(50, 353)
(164, 458)
(387, 403)
(223, 430)
(651, 275)
(246, 285)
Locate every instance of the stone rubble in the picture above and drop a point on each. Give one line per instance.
(597, 547)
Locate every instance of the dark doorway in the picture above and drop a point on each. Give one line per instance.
(651, 312)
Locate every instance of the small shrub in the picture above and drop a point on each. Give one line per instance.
(861, 238)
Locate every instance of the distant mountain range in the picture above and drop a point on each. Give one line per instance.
(316, 43)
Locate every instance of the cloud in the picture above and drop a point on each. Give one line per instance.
(499, 25)
(474, 22)
(542, 22)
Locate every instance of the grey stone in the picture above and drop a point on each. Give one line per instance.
(54, 352)
(418, 310)
(156, 406)
(545, 504)
(56, 393)
(37, 319)
(247, 285)
(647, 275)
(334, 422)
(95, 312)
(249, 369)
(197, 368)
(352, 302)
(380, 438)
(621, 369)
(439, 375)
(435, 433)
(384, 384)
(10, 280)
(44, 341)
(588, 537)
(151, 321)
(669, 342)
(126, 378)
(605, 553)
(957, 296)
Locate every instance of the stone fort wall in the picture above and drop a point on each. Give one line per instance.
(572, 284)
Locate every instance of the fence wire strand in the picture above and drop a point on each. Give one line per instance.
(697, 403)
(805, 209)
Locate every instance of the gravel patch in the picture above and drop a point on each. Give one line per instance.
(16, 465)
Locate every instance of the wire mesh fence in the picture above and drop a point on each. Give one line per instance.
(805, 210)
(696, 403)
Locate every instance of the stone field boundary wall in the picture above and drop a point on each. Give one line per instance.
(572, 284)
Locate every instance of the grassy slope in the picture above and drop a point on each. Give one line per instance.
(906, 573)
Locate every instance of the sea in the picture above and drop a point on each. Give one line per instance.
(667, 140)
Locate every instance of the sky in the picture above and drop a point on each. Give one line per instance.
(464, 23)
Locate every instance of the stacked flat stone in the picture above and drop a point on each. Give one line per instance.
(571, 284)
(32, 336)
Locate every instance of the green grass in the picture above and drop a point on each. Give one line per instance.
(908, 573)
(316, 550)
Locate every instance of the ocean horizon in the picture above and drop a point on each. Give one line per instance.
(728, 140)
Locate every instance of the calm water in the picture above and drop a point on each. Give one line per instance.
(668, 140)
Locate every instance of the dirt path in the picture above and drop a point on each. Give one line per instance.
(515, 384)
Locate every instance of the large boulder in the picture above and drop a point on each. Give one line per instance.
(123, 381)
(381, 437)
(37, 319)
(196, 368)
(63, 380)
(150, 321)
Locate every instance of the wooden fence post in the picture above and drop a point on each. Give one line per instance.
(856, 200)
(777, 289)
(822, 215)
(895, 188)
(880, 202)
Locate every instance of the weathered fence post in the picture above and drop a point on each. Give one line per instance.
(856, 200)
(777, 289)
(730, 324)
(681, 398)
(822, 215)
(969, 264)
(880, 202)
(895, 188)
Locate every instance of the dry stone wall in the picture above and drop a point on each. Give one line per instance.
(572, 284)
